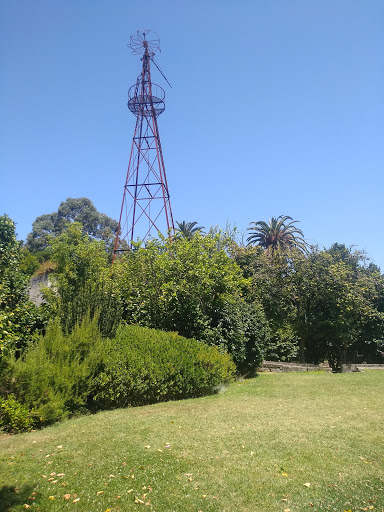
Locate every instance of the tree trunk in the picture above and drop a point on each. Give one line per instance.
(343, 357)
(302, 349)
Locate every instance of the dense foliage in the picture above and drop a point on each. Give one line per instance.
(14, 416)
(325, 305)
(273, 299)
(192, 286)
(81, 280)
(19, 318)
(339, 317)
(61, 375)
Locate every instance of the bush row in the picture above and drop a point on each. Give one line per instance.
(61, 375)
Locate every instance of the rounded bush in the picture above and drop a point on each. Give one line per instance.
(144, 365)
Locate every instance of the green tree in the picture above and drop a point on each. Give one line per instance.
(79, 258)
(336, 305)
(322, 305)
(188, 229)
(277, 234)
(370, 345)
(272, 285)
(95, 224)
(191, 286)
(82, 283)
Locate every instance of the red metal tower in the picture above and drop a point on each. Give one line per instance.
(146, 207)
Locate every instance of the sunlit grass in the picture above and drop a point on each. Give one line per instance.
(277, 442)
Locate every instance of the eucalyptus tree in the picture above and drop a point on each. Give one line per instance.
(95, 224)
(279, 233)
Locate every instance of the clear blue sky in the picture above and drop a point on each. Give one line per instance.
(276, 107)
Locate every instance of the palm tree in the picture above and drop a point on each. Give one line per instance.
(187, 229)
(278, 234)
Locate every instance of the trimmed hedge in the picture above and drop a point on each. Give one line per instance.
(147, 365)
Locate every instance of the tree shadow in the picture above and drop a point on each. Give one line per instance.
(13, 496)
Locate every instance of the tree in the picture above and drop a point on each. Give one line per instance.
(188, 229)
(193, 287)
(78, 257)
(271, 278)
(277, 234)
(82, 281)
(336, 302)
(322, 305)
(95, 224)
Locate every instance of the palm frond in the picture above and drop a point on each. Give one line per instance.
(278, 234)
(188, 229)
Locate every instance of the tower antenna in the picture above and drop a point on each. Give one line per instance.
(146, 206)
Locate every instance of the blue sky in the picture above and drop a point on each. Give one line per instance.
(276, 107)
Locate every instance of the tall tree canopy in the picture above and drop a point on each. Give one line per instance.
(277, 234)
(95, 224)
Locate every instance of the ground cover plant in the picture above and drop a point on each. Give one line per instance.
(278, 442)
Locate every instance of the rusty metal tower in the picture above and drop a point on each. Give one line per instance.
(146, 207)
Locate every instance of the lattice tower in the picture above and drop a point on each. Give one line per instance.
(146, 206)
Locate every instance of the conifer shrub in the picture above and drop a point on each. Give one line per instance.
(146, 365)
(54, 377)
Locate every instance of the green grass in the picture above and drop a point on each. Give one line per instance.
(251, 448)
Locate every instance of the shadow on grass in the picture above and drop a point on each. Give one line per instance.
(11, 497)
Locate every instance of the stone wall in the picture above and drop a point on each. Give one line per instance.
(35, 285)
(278, 366)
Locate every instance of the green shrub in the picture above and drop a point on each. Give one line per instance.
(65, 374)
(242, 330)
(55, 375)
(14, 416)
(94, 298)
(146, 365)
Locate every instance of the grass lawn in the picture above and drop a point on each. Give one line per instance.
(279, 442)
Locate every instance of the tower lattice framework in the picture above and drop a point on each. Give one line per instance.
(146, 207)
